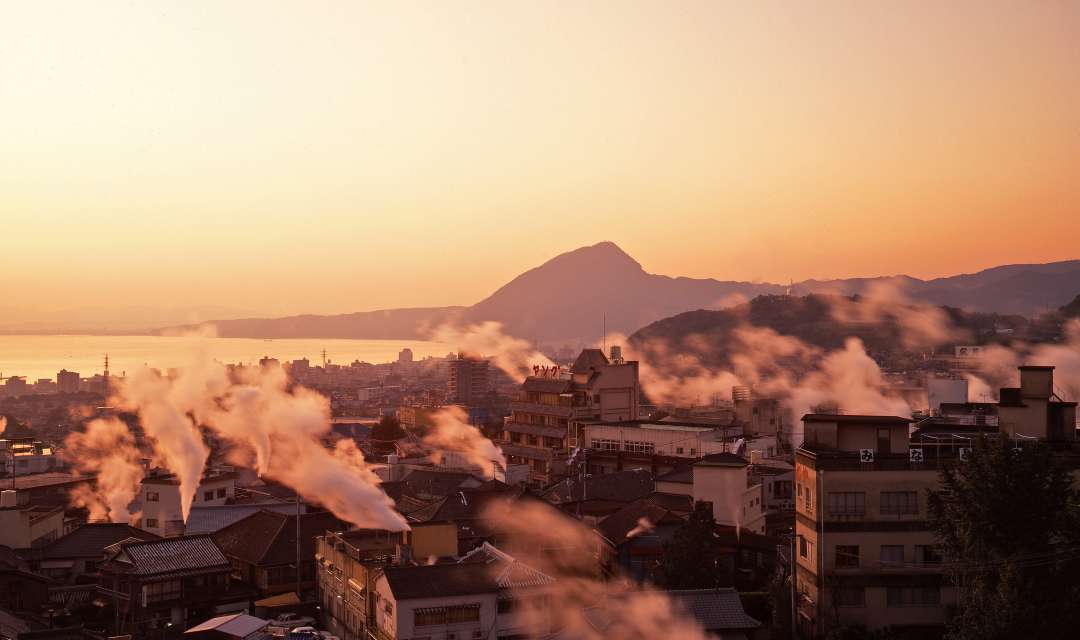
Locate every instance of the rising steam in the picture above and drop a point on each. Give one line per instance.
(451, 432)
(268, 426)
(106, 449)
(513, 356)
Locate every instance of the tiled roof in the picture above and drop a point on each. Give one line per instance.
(616, 526)
(91, 539)
(624, 486)
(46, 479)
(722, 460)
(485, 570)
(435, 483)
(715, 609)
(211, 518)
(269, 537)
(683, 475)
(237, 625)
(546, 385)
(677, 502)
(185, 556)
(535, 429)
(589, 359)
(848, 418)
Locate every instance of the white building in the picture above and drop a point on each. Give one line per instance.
(159, 500)
(674, 439)
(722, 481)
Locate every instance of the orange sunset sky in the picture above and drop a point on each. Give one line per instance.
(281, 157)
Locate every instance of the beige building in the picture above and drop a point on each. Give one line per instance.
(468, 379)
(544, 421)
(28, 526)
(865, 554)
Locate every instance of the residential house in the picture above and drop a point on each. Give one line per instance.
(77, 555)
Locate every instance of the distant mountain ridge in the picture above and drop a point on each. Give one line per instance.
(573, 296)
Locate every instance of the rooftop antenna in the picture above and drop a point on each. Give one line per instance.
(324, 358)
(603, 339)
(106, 366)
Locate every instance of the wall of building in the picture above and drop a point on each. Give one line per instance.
(724, 488)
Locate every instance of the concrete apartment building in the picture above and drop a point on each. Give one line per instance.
(544, 421)
(468, 379)
(865, 554)
(159, 500)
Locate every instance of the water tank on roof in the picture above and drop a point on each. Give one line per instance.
(7, 498)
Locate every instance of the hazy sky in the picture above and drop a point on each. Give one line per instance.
(337, 156)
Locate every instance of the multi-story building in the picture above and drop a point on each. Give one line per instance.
(468, 379)
(159, 500)
(544, 421)
(486, 594)
(67, 381)
(348, 563)
(865, 552)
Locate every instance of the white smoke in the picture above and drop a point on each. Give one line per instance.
(107, 450)
(644, 525)
(513, 356)
(451, 432)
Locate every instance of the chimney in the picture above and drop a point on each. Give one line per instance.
(403, 555)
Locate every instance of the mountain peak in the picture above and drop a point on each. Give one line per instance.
(603, 256)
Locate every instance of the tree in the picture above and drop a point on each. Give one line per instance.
(1007, 521)
(386, 433)
(690, 560)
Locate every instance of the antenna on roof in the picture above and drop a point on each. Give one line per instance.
(603, 339)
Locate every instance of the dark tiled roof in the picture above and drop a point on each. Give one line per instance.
(440, 580)
(715, 609)
(546, 385)
(677, 502)
(484, 570)
(624, 486)
(185, 556)
(848, 418)
(467, 504)
(722, 460)
(589, 359)
(435, 483)
(91, 539)
(683, 474)
(616, 526)
(211, 518)
(269, 537)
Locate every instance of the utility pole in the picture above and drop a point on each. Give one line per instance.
(794, 590)
(298, 578)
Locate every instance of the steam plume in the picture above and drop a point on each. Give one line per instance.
(106, 449)
(513, 356)
(451, 432)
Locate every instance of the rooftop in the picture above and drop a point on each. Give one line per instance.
(849, 418)
(183, 556)
(269, 537)
(623, 486)
(91, 539)
(722, 460)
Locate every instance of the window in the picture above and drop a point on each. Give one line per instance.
(221, 493)
(892, 554)
(208, 495)
(151, 523)
(506, 605)
(927, 554)
(428, 616)
(640, 447)
(899, 503)
(804, 548)
(846, 503)
(850, 597)
(847, 555)
(152, 496)
(678, 450)
(693, 452)
(912, 597)
(782, 489)
(808, 500)
(606, 445)
(161, 591)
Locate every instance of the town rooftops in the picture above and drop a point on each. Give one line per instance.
(849, 418)
(623, 486)
(722, 460)
(269, 537)
(683, 474)
(89, 540)
(168, 478)
(190, 555)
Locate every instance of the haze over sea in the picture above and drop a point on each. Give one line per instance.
(41, 356)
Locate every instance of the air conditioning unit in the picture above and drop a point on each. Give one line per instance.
(965, 452)
(915, 455)
(866, 455)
